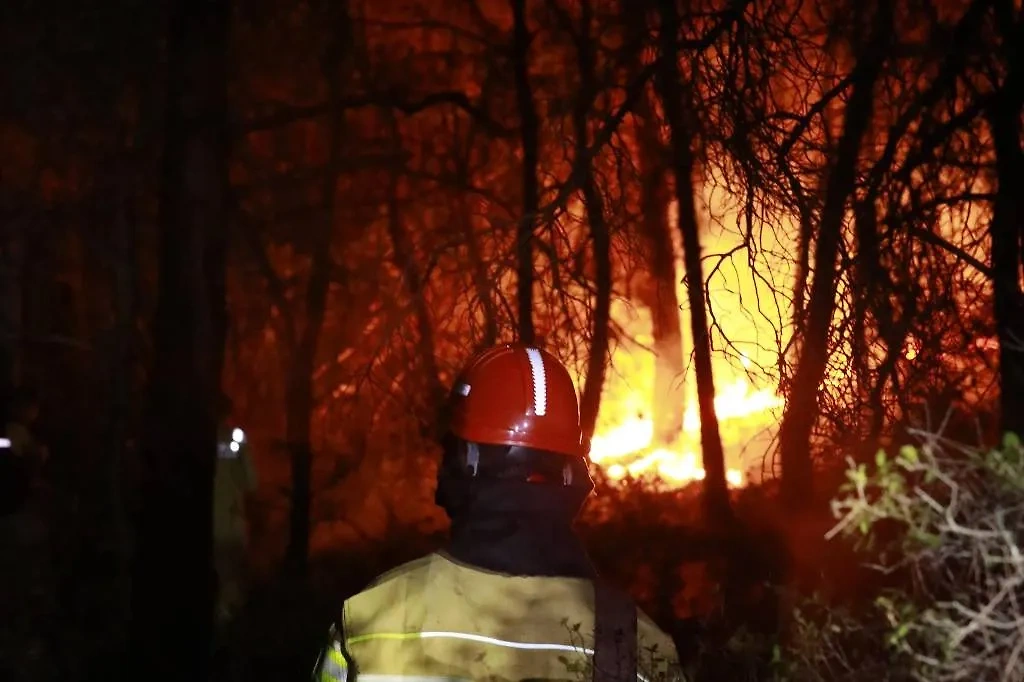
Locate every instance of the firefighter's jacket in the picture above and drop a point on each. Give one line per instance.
(437, 619)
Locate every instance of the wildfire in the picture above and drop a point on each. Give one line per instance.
(633, 436)
(627, 449)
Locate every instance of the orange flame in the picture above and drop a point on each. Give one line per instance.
(746, 402)
(626, 449)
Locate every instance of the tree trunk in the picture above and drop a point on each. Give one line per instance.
(300, 384)
(481, 278)
(597, 362)
(659, 290)
(299, 414)
(529, 132)
(716, 492)
(122, 361)
(11, 297)
(802, 410)
(657, 285)
(405, 259)
(172, 592)
(876, 291)
(1007, 233)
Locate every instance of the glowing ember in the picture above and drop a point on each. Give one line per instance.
(626, 449)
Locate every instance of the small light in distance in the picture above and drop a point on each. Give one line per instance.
(5, 443)
(238, 435)
(234, 446)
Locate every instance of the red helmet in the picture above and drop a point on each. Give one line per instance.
(517, 395)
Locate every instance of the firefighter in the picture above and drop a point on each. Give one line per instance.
(514, 595)
(234, 480)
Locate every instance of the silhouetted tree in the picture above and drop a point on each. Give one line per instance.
(716, 491)
(529, 134)
(172, 590)
(1007, 223)
(600, 237)
(801, 410)
(300, 400)
(657, 286)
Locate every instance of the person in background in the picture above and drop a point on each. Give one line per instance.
(234, 480)
(514, 596)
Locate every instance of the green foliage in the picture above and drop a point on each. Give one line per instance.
(944, 521)
(827, 643)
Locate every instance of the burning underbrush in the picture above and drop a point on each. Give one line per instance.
(626, 444)
(746, 415)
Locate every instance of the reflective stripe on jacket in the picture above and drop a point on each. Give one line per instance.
(435, 619)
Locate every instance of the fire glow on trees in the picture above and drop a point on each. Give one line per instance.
(624, 444)
(747, 404)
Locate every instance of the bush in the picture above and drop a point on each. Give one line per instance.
(947, 519)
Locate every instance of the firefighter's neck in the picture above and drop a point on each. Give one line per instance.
(535, 538)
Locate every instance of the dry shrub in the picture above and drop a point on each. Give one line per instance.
(947, 520)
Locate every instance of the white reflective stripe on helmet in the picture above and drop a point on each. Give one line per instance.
(540, 382)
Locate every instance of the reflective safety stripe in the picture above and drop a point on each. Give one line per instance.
(411, 678)
(483, 639)
(540, 382)
(333, 667)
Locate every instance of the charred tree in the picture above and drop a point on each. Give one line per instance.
(716, 491)
(529, 136)
(597, 362)
(300, 398)
(802, 408)
(172, 605)
(1007, 227)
